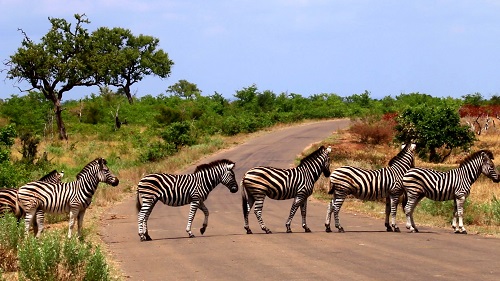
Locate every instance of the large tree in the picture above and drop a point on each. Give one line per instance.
(128, 58)
(69, 56)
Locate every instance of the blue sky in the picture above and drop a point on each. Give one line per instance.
(441, 48)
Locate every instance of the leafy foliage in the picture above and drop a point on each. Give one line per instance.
(432, 128)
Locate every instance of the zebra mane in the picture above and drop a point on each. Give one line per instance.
(400, 154)
(313, 155)
(98, 161)
(48, 175)
(207, 166)
(475, 154)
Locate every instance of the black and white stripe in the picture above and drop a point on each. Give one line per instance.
(38, 198)
(369, 185)
(179, 190)
(8, 196)
(281, 184)
(452, 185)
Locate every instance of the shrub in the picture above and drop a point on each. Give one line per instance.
(373, 132)
(11, 233)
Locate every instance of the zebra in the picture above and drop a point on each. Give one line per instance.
(281, 184)
(452, 185)
(369, 185)
(178, 190)
(38, 198)
(8, 196)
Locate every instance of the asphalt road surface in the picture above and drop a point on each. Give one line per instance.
(225, 252)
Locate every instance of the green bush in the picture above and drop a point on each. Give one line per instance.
(96, 268)
(156, 151)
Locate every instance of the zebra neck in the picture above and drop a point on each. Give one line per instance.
(89, 184)
(209, 179)
(471, 170)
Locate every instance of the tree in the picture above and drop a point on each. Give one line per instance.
(68, 56)
(55, 65)
(184, 89)
(126, 59)
(432, 128)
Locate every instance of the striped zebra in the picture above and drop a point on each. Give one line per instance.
(452, 185)
(38, 198)
(8, 196)
(281, 184)
(179, 190)
(369, 185)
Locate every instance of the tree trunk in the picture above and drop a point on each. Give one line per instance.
(126, 89)
(60, 123)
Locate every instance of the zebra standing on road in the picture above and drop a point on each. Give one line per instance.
(38, 198)
(452, 185)
(369, 185)
(179, 190)
(8, 196)
(281, 184)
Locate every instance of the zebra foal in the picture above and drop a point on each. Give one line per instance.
(38, 198)
(369, 185)
(281, 184)
(452, 185)
(8, 196)
(179, 190)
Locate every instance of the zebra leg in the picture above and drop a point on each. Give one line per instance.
(73, 215)
(38, 221)
(394, 201)
(295, 205)
(247, 206)
(142, 218)
(303, 212)
(410, 207)
(336, 210)
(454, 222)
(205, 222)
(192, 212)
(460, 213)
(81, 214)
(329, 216)
(259, 204)
(387, 211)
(28, 220)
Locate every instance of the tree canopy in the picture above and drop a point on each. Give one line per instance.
(69, 56)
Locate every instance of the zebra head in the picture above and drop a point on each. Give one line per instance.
(488, 167)
(103, 173)
(228, 178)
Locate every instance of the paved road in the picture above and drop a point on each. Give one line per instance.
(364, 252)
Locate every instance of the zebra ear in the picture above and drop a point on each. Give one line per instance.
(329, 149)
(230, 166)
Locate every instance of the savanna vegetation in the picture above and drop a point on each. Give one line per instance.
(40, 131)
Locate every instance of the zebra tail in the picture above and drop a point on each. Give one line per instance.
(138, 204)
(404, 200)
(18, 212)
(331, 188)
(244, 200)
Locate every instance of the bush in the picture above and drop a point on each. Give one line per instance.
(52, 258)
(157, 151)
(373, 132)
(11, 233)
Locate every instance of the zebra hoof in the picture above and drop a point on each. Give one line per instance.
(396, 229)
(341, 230)
(249, 231)
(328, 229)
(307, 229)
(268, 231)
(389, 229)
(191, 235)
(288, 231)
(202, 230)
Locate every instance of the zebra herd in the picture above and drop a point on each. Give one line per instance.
(400, 180)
